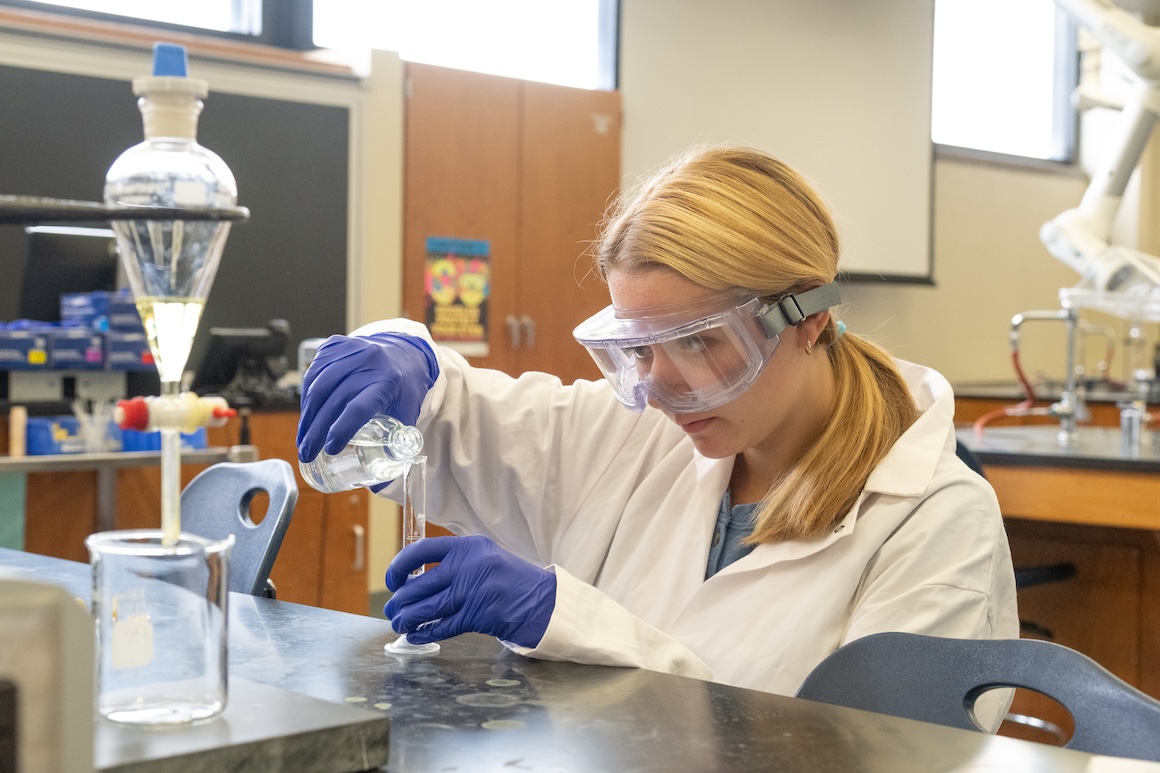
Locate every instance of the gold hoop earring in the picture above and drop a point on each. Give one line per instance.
(809, 347)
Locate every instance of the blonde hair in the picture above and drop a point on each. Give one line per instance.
(728, 218)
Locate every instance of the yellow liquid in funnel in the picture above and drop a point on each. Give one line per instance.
(170, 324)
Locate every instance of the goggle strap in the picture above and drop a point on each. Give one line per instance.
(791, 309)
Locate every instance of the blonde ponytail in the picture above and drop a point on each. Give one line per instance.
(872, 408)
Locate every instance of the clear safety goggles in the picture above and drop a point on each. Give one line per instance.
(693, 357)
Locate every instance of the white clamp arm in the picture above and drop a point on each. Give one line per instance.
(1137, 44)
(1081, 237)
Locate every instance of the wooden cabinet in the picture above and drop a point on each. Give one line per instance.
(968, 409)
(1102, 521)
(529, 167)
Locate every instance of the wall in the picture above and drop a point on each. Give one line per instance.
(377, 293)
(691, 75)
(988, 266)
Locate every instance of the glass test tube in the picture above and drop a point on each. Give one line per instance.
(414, 529)
(415, 503)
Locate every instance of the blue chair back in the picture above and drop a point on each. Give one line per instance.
(217, 503)
(937, 680)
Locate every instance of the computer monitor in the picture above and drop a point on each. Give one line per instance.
(65, 259)
(244, 362)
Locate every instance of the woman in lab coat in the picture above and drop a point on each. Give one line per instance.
(749, 488)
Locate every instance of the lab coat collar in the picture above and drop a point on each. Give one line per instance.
(908, 467)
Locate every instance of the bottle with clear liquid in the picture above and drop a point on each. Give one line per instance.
(382, 451)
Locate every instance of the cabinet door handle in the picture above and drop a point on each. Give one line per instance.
(360, 548)
(513, 326)
(529, 330)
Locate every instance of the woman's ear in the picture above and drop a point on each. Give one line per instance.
(812, 326)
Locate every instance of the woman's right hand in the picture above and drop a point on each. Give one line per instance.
(355, 378)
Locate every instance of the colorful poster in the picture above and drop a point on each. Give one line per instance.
(458, 282)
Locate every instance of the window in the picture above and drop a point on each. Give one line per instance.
(567, 42)
(280, 23)
(240, 16)
(1003, 75)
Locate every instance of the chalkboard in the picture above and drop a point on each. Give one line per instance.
(59, 133)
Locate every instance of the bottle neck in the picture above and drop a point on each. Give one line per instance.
(170, 114)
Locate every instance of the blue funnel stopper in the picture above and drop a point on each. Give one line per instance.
(169, 60)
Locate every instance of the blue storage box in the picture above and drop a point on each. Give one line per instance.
(89, 310)
(102, 310)
(24, 346)
(54, 435)
(128, 351)
(76, 348)
(135, 440)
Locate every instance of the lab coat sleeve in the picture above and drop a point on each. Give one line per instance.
(516, 459)
(589, 627)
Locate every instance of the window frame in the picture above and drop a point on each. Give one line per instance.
(1065, 117)
(285, 23)
(606, 49)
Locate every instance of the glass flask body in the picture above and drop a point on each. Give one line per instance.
(380, 452)
(170, 264)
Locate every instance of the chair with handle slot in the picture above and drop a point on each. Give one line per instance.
(217, 503)
(938, 680)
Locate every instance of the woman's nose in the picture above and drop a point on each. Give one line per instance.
(664, 369)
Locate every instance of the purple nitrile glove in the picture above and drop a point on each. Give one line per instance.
(352, 379)
(477, 587)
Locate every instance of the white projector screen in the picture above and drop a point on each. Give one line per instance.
(840, 89)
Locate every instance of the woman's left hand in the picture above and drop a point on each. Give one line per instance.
(477, 587)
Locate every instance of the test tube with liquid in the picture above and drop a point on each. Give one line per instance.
(414, 529)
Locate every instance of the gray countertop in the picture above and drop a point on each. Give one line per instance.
(477, 706)
(109, 459)
(1096, 448)
(1048, 392)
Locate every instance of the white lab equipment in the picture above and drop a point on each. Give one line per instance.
(170, 264)
(1115, 279)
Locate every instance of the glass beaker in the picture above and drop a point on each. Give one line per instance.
(160, 613)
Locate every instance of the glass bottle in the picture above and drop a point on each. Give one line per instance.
(380, 452)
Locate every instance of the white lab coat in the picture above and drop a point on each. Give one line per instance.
(622, 508)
